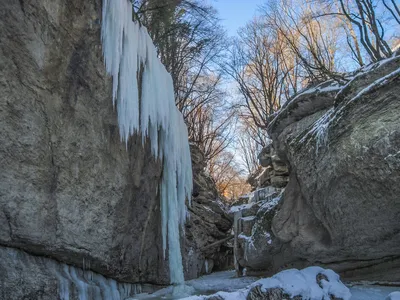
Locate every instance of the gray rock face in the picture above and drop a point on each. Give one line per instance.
(264, 157)
(273, 171)
(208, 227)
(69, 189)
(31, 277)
(341, 207)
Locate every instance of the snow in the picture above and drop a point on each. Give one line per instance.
(226, 285)
(329, 86)
(268, 236)
(320, 130)
(220, 281)
(304, 283)
(238, 295)
(237, 208)
(271, 204)
(368, 292)
(293, 282)
(392, 155)
(377, 83)
(249, 218)
(243, 236)
(127, 47)
(394, 296)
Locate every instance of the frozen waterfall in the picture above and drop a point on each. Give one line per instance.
(129, 50)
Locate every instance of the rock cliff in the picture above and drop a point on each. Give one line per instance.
(341, 207)
(69, 189)
(71, 194)
(209, 225)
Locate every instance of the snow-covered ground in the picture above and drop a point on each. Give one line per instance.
(206, 285)
(220, 281)
(371, 292)
(226, 282)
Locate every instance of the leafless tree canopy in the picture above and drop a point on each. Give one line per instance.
(292, 44)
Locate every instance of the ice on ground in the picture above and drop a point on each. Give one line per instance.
(221, 282)
(393, 296)
(225, 281)
(237, 295)
(227, 286)
(372, 292)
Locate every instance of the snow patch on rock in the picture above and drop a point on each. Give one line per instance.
(304, 283)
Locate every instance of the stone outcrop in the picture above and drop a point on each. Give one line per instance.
(341, 206)
(309, 283)
(209, 225)
(273, 171)
(255, 244)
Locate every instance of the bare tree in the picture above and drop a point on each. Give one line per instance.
(190, 42)
(210, 128)
(307, 37)
(362, 14)
(393, 8)
(228, 175)
(266, 74)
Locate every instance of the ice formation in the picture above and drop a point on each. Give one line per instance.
(89, 285)
(149, 110)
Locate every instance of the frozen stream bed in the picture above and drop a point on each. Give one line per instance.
(227, 282)
(371, 292)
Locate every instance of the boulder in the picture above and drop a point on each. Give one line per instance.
(309, 283)
(273, 172)
(264, 157)
(264, 179)
(260, 244)
(279, 167)
(279, 181)
(341, 206)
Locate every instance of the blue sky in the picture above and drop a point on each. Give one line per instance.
(236, 13)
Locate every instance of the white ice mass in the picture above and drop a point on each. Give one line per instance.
(149, 110)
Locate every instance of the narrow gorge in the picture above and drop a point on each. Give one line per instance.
(112, 188)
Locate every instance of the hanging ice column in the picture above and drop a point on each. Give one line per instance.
(126, 47)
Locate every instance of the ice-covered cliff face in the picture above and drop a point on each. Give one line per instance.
(149, 109)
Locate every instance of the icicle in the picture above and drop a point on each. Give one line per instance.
(128, 49)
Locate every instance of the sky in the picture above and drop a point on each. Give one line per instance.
(235, 13)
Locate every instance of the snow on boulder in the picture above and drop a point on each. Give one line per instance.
(312, 283)
(393, 296)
